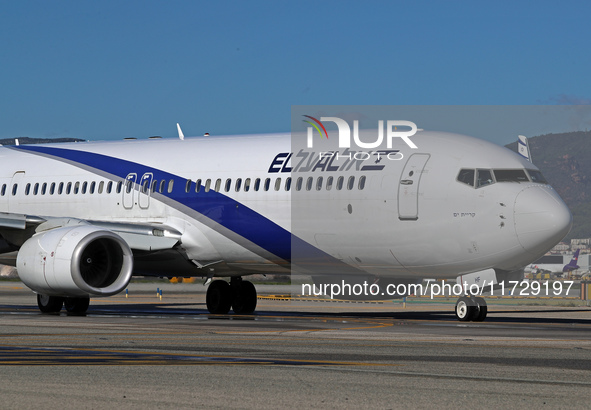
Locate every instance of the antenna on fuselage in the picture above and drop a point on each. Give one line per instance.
(181, 135)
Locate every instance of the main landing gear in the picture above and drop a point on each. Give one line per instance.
(240, 295)
(471, 308)
(53, 304)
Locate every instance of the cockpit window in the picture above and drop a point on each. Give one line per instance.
(466, 176)
(484, 178)
(510, 175)
(536, 176)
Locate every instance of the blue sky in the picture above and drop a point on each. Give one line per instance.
(114, 69)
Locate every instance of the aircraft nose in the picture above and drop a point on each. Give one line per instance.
(542, 219)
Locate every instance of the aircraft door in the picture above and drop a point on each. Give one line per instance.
(14, 189)
(145, 190)
(128, 191)
(408, 188)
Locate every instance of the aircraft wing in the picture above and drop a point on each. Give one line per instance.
(139, 236)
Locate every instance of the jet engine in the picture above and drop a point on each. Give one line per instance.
(78, 261)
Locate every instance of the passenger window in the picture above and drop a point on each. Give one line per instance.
(198, 186)
(60, 189)
(3, 192)
(84, 186)
(187, 186)
(170, 185)
(207, 185)
(14, 189)
(257, 184)
(466, 176)
(76, 187)
(238, 184)
(484, 178)
(319, 184)
(340, 181)
(69, 188)
(109, 187)
(162, 184)
(351, 183)
(288, 183)
(92, 186)
(36, 189)
(277, 184)
(119, 186)
(309, 183)
(329, 183)
(52, 188)
(128, 186)
(361, 182)
(228, 184)
(145, 186)
(218, 185)
(44, 188)
(246, 184)
(27, 189)
(299, 183)
(267, 184)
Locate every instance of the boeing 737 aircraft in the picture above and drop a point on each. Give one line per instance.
(83, 218)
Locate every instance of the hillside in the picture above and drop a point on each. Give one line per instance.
(565, 161)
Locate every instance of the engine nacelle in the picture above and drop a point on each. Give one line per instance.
(83, 260)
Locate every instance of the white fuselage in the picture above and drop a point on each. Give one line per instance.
(409, 218)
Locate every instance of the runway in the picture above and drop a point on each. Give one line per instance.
(141, 351)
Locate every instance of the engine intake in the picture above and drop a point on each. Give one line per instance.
(83, 260)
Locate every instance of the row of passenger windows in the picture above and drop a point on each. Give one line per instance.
(164, 185)
(483, 177)
(65, 188)
(278, 184)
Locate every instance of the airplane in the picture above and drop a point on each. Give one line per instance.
(572, 265)
(80, 219)
(554, 268)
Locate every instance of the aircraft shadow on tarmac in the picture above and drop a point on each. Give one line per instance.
(199, 309)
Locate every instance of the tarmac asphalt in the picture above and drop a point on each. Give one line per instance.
(143, 351)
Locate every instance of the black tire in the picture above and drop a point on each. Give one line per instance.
(482, 309)
(466, 309)
(245, 298)
(219, 297)
(76, 305)
(49, 304)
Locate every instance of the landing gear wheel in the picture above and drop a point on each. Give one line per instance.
(482, 309)
(49, 304)
(76, 305)
(466, 309)
(245, 297)
(219, 297)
